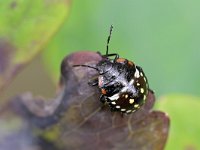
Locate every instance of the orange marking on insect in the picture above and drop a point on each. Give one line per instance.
(130, 63)
(120, 60)
(103, 91)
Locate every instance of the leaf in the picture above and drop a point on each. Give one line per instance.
(184, 113)
(76, 119)
(26, 27)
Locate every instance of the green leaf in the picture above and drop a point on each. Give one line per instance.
(25, 29)
(162, 37)
(184, 113)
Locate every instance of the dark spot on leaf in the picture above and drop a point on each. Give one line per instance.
(6, 50)
(67, 2)
(13, 4)
(77, 120)
(190, 147)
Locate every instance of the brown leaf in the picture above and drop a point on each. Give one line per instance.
(6, 50)
(6, 53)
(76, 119)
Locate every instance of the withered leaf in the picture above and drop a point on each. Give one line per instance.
(77, 120)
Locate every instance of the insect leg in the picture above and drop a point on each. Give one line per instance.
(110, 55)
(85, 66)
(93, 81)
(102, 99)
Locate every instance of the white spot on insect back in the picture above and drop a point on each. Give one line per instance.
(131, 101)
(142, 90)
(123, 109)
(144, 97)
(118, 106)
(141, 74)
(128, 111)
(113, 103)
(114, 97)
(136, 105)
(126, 96)
(137, 73)
(131, 82)
(138, 84)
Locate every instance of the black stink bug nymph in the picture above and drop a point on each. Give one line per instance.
(123, 84)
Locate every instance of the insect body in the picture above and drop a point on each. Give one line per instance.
(123, 84)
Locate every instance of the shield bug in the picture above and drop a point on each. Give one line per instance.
(123, 84)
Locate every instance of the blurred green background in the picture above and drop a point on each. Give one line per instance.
(161, 36)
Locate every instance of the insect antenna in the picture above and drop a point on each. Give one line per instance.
(85, 66)
(108, 40)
